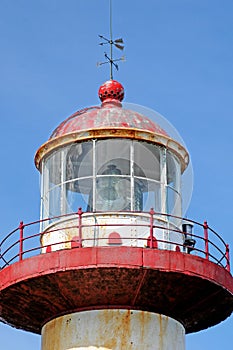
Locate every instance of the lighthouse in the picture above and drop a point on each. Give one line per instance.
(111, 264)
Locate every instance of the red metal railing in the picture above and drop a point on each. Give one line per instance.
(24, 241)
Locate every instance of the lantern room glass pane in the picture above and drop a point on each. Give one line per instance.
(78, 194)
(151, 196)
(79, 160)
(115, 153)
(53, 165)
(54, 201)
(113, 193)
(112, 186)
(173, 202)
(173, 172)
(146, 160)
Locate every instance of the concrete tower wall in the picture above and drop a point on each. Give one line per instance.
(113, 329)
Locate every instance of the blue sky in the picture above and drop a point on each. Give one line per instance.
(179, 61)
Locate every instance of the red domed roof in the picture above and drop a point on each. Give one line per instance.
(110, 120)
(109, 115)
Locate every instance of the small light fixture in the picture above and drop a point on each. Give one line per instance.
(189, 241)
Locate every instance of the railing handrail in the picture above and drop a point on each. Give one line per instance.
(151, 216)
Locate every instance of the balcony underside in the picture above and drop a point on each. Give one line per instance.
(190, 289)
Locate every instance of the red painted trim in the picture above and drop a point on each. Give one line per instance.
(152, 242)
(48, 249)
(21, 227)
(206, 238)
(127, 257)
(228, 258)
(114, 238)
(80, 226)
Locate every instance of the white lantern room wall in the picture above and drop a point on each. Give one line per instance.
(110, 175)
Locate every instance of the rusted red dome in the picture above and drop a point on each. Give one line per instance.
(110, 114)
(110, 120)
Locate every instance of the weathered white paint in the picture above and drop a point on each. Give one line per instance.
(113, 330)
(132, 227)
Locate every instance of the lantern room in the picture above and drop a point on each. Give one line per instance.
(114, 254)
(114, 163)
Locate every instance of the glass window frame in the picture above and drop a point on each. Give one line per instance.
(162, 182)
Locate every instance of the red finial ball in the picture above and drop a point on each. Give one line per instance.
(111, 91)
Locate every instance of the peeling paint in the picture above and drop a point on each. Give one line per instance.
(132, 228)
(113, 330)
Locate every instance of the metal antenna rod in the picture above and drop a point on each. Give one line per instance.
(118, 43)
(111, 42)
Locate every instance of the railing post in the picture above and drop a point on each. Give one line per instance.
(151, 227)
(21, 227)
(206, 238)
(227, 258)
(80, 226)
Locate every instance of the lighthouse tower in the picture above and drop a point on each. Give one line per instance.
(113, 265)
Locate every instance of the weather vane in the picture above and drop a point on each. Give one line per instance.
(118, 43)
